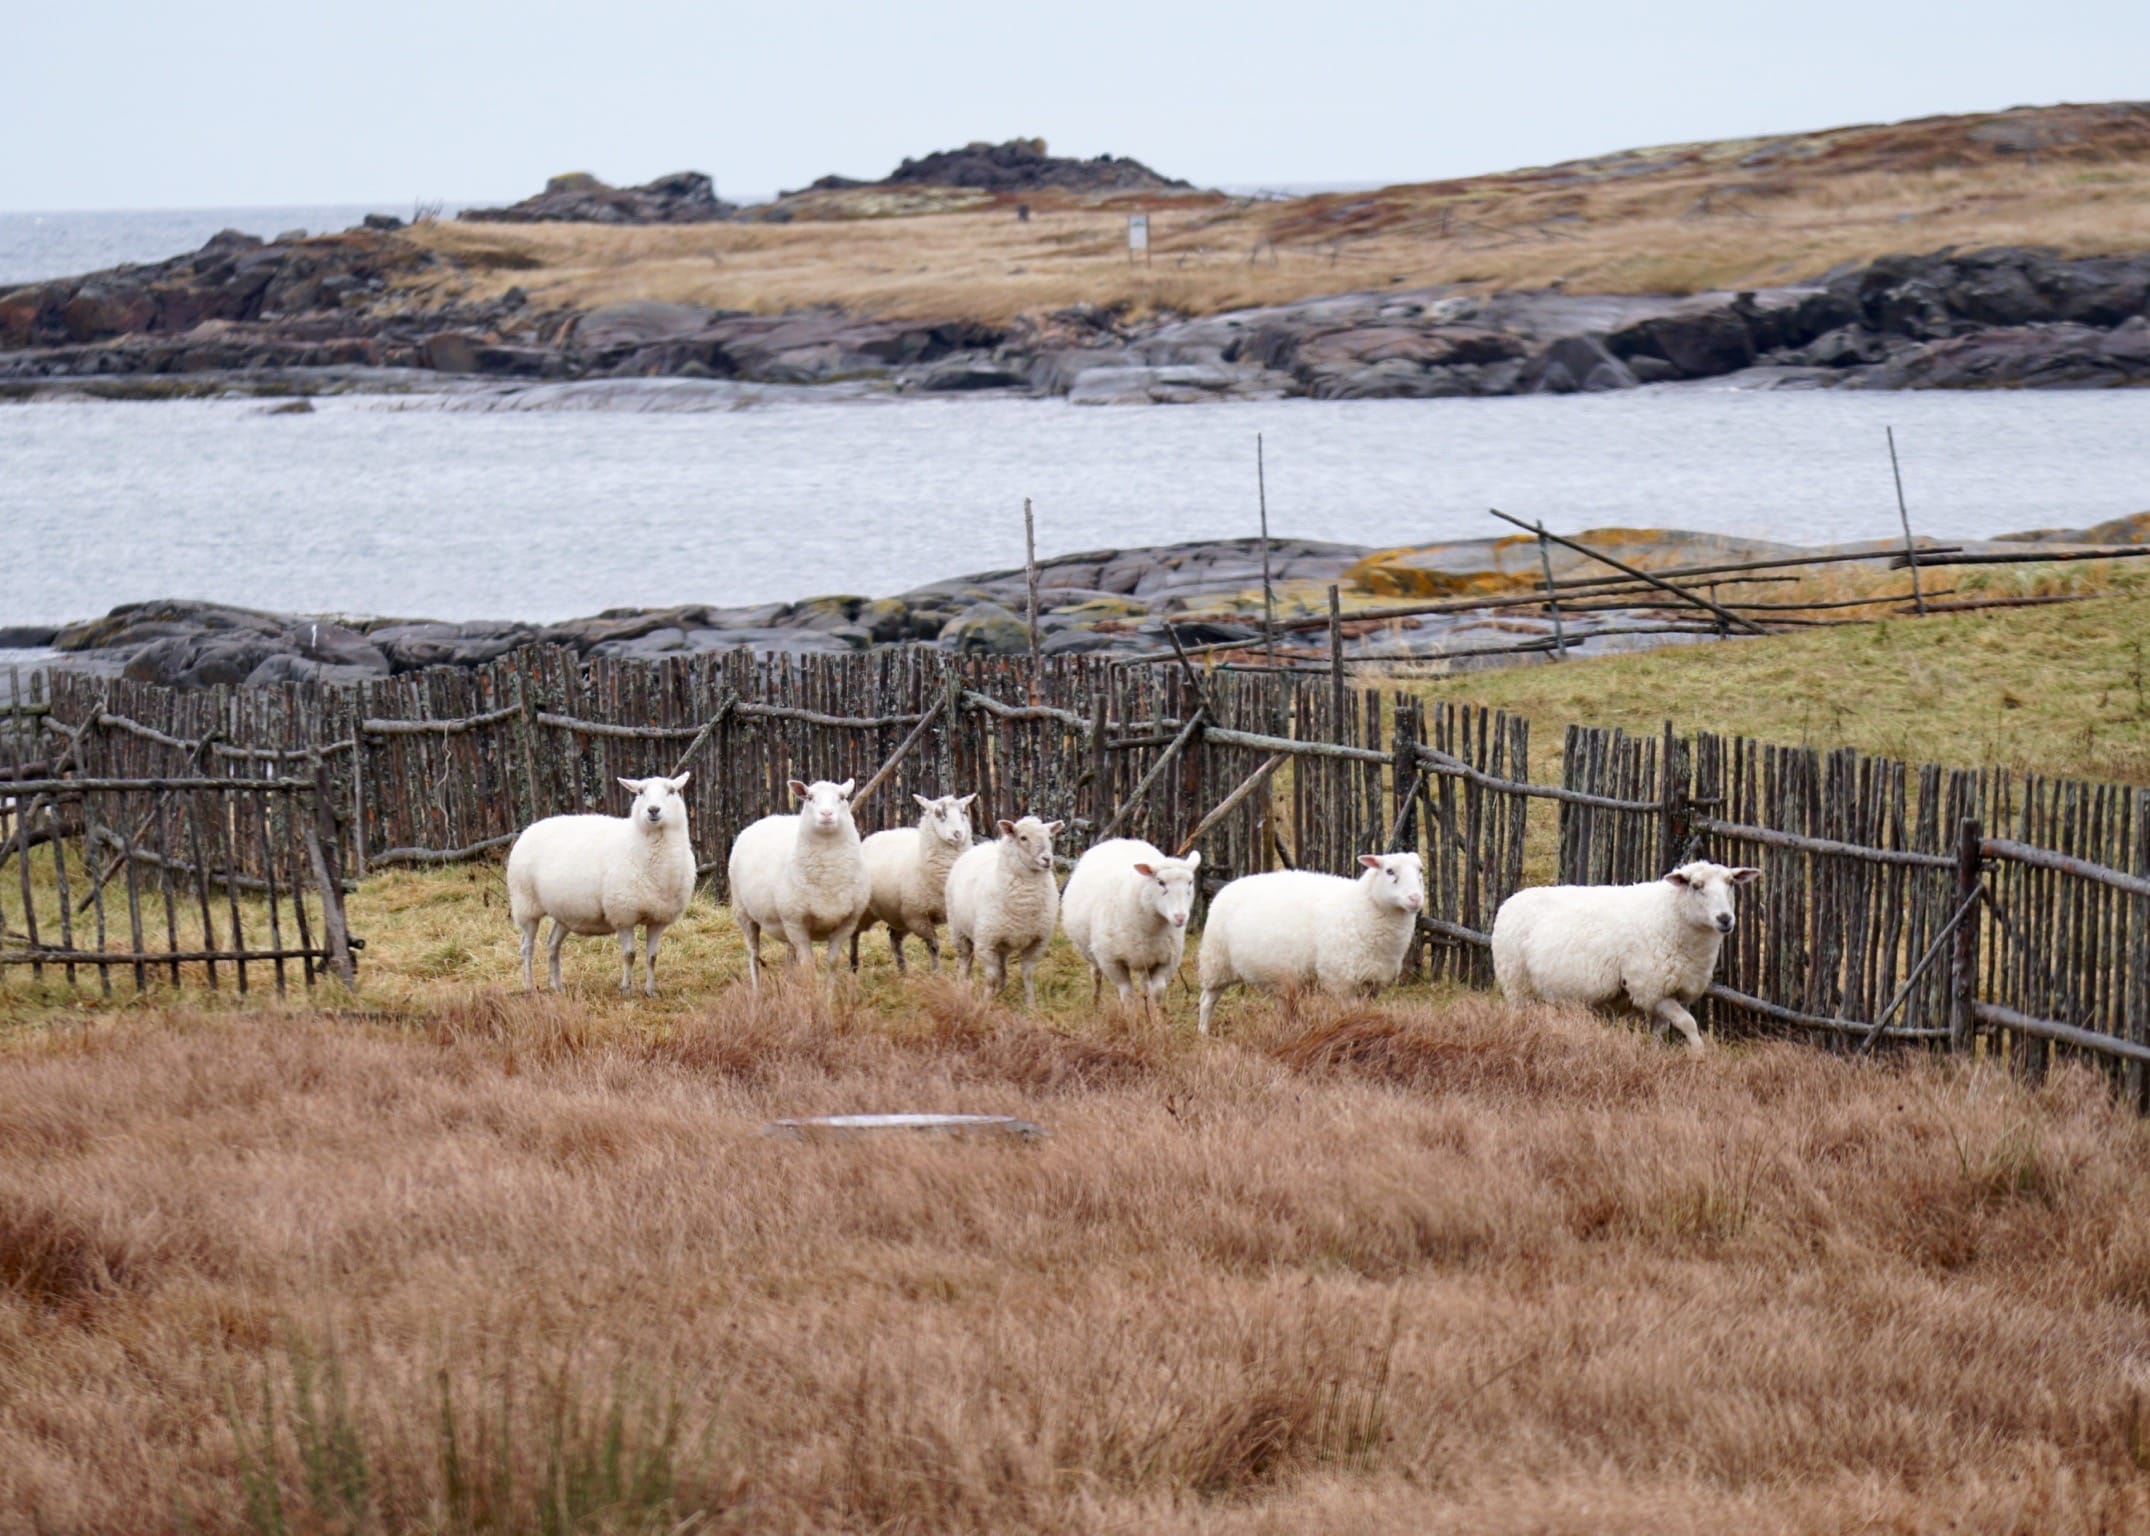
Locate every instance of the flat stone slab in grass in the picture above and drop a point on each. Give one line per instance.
(816, 1126)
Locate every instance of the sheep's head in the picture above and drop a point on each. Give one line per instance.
(947, 818)
(658, 803)
(1167, 887)
(823, 806)
(1029, 841)
(1395, 880)
(1703, 892)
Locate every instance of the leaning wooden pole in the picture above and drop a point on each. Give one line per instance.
(1552, 602)
(1639, 574)
(1911, 554)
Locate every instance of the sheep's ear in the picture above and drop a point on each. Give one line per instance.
(1745, 875)
(844, 788)
(681, 781)
(1677, 878)
(1145, 870)
(923, 803)
(1370, 860)
(1007, 827)
(1053, 827)
(632, 786)
(798, 789)
(967, 799)
(1194, 861)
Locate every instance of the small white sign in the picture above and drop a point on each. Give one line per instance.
(1138, 231)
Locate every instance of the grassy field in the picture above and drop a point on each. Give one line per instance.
(1676, 219)
(2064, 690)
(440, 1257)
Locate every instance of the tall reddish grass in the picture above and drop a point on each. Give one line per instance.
(511, 1265)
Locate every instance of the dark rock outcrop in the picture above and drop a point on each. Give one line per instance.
(1019, 165)
(684, 197)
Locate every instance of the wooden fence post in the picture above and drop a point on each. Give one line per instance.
(1407, 730)
(1674, 817)
(1963, 963)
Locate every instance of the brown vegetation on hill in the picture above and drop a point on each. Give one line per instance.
(1679, 219)
(521, 1264)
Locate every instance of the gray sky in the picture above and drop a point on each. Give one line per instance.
(147, 103)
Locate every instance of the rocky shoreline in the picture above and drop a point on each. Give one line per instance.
(323, 314)
(1114, 601)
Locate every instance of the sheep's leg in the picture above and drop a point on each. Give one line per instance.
(650, 936)
(966, 953)
(1097, 987)
(802, 944)
(752, 930)
(1209, 1006)
(895, 945)
(1030, 974)
(932, 941)
(1669, 1011)
(996, 970)
(837, 941)
(856, 935)
(553, 941)
(529, 953)
(1123, 980)
(626, 936)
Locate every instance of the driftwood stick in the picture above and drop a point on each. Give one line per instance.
(1229, 803)
(1157, 771)
(1682, 593)
(1030, 583)
(701, 737)
(918, 734)
(1933, 953)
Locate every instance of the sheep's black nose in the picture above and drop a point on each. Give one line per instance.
(1724, 923)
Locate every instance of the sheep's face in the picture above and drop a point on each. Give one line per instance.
(823, 807)
(1395, 880)
(658, 803)
(947, 818)
(1168, 887)
(1704, 893)
(1029, 842)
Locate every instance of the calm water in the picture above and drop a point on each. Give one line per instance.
(366, 507)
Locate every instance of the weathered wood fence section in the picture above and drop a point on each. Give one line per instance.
(1918, 903)
(192, 871)
(447, 765)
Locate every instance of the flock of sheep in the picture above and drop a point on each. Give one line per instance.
(809, 878)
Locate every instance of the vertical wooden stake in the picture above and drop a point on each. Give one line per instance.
(1030, 580)
(1552, 598)
(1911, 553)
(1963, 963)
(1269, 595)
(1336, 664)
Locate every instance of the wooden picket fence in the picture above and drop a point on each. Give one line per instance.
(1953, 908)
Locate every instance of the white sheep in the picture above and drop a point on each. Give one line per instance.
(1125, 910)
(801, 876)
(1654, 944)
(1294, 927)
(908, 868)
(1003, 900)
(605, 874)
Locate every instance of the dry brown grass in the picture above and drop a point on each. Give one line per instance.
(1677, 220)
(516, 1264)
